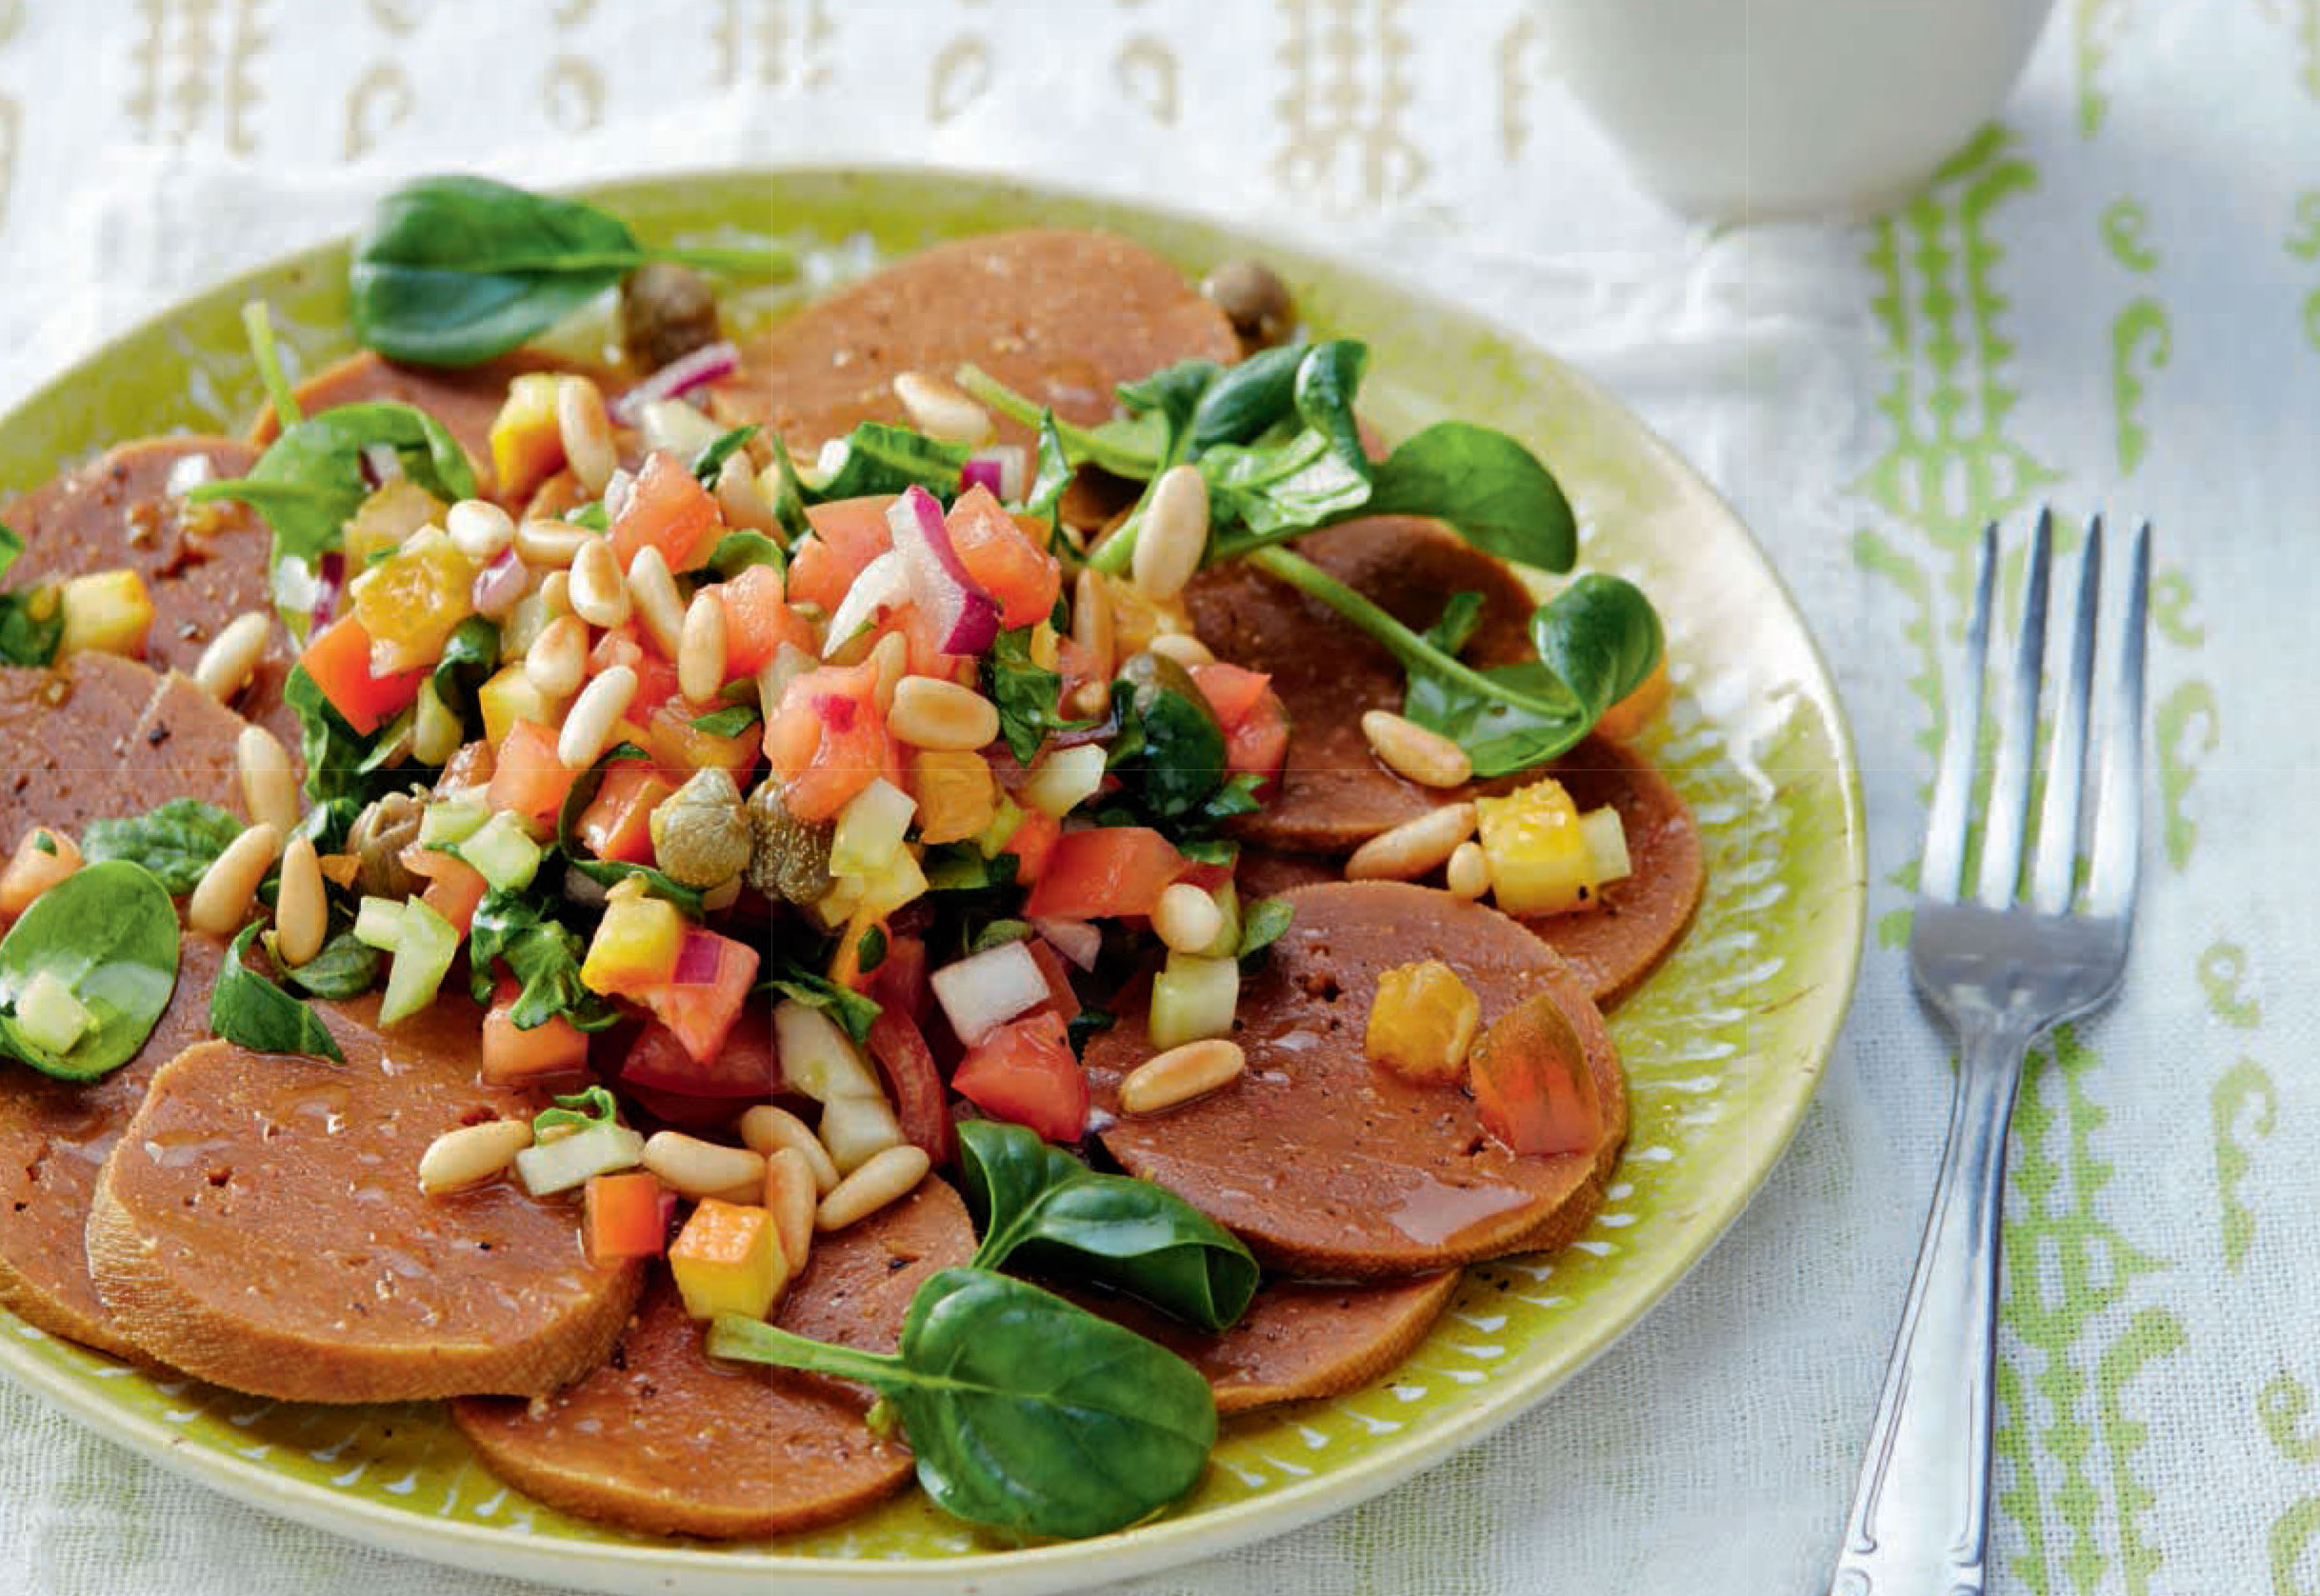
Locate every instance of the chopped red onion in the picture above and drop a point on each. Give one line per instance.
(329, 577)
(679, 377)
(1076, 940)
(966, 618)
(697, 958)
(1000, 469)
(499, 586)
(381, 463)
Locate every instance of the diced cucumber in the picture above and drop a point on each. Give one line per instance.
(871, 829)
(817, 1058)
(1607, 844)
(1193, 997)
(502, 853)
(1001, 831)
(559, 1166)
(1227, 941)
(423, 956)
(49, 1016)
(379, 923)
(856, 1130)
(1064, 778)
(448, 825)
(435, 736)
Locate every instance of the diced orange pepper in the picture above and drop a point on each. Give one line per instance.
(625, 1216)
(338, 658)
(958, 795)
(617, 822)
(728, 1259)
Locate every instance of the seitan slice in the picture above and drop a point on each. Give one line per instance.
(101, 736)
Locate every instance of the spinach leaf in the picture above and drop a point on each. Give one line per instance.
(1247, 399)
(32, 622)
(1024, 691)
(1052, 474)
(469, 657)
(853, 1012)
(1491, 489)
(1262, 923)
(731, 721)
(875, 458)
(248, 1009)
(310, 480)
(325, 825)
(709, 463)
(1170, 753)
(1039, 1205)
(736, 552)
(1024, 1412)
(1328, 378)
(543, 954)
(1460, 616)
(452, 271)
(346, 966)
(108, 933)
(342, 767)
(175, 842)
(1277, 489)
(610, 873)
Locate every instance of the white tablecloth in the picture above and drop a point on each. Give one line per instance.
(2111, 300)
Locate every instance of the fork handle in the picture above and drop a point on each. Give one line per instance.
(1920, 1524)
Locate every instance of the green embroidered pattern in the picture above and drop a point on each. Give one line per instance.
(2242, 1092)
(2141, 337)
(2223, 974)
(2304, 244)
(2188, 729)
(2302, 20)
(2096, 27)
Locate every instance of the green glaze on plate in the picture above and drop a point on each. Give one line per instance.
(1723, 1045)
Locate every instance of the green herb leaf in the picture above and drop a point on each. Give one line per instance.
(1170, 753)
(1045, 1210)
(32, 622)
(612, 873)
(108, 933)
(1275, 489)
(870, 952)
(736, 552)
(11, 547)
(580, 1111)
(1262, 923)
(1328, 378)
(1461, 614)
(1024, 691)
(175, 842)
(1024, 1412)
(1492, 489)
(470, 658)
(543, 954)
(876, 458)
(710, 461)
(1052, 473)
(853, 1012)
(249, 1010)
(731, 721)
(454, 270)
(310, 480)
(346, 966)
(1249, 399)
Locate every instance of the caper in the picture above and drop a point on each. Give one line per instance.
(1153, 674)
(788, 857)
(667, 311)
(377, 839)
(1254, 300)
(700, 832)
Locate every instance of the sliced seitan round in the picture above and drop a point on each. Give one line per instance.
(260, 1226)
(1060, 315)
(1300, 1339)
(204, 564)
(664, 1440)
(1334, 795)
(54, 1138)
(1329, 1166)
(1637, 919)
(101, 736)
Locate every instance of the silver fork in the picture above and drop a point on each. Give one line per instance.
(2001, 970)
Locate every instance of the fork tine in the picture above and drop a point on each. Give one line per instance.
(2010, 777)
(1942, 874)
(2118, 821)
(2055, 864)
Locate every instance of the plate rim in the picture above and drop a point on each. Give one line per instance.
(1166, 1542)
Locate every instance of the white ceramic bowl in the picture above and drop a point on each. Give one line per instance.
(1745, 109)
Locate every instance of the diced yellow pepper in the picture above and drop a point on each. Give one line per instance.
(1423, 1022)
(958, 795)
(727, 1259)
(397, 510)
(411, 601)
(511, 696)
(636, 943)
(1540, 862)
(1047, 647)
(107, 612)
(526, 445)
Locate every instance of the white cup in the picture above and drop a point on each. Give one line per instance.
(1743, 110)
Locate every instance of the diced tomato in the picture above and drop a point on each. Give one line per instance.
(626, 1215)
(1025, 1072)
(847, 535)
(758, 621)
(656, 676)
(454, 888)
(899, 982)
(339, 660)
(1532, 1086)
(1062, 997)
(927, 656)
(700, 1003)
(1254, 719)
(528, 778)
(617, 822)
(514, 1057)
(670, 511)
(744, 1067)
(827, 741)
(681, 748)
(920, 1104)
(1113, 870)
(1004, 560)
(1034, 844)
(682, 1110)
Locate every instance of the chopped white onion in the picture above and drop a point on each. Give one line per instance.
(984, 992)
(1076, 940)
(817, 1058)
(883, 584)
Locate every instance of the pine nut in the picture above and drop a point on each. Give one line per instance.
(587, 433)
(232, 654)
(1412, 847)
(941, 408)
(701, 648)
(930, 712)
(1091, 621)
(1174, 536)
(1410, 750)
(887, 1176)
(220, 902)
(766, 1130)
(269, 787)
(301, 913)
(599, 594)
(792, 1198)
(1188, 919)
(558, 657)
(589, 725)
(1181, 1074)
(696, 1169)
(1183, 647)
(556, 594)
(892, 656)
(1469, 871)
(653, 588)
(744, 503)
(472, 1154)
(551, 545)
(479, 529)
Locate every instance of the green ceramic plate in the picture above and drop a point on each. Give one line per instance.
(1723, 1047)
